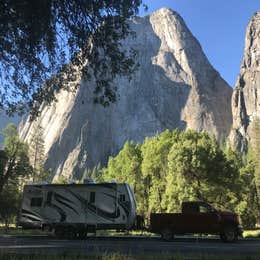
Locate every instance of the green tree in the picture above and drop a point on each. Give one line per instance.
(16, 163)
(126, 167)
(198, 170)
(3, 160)
(37, 154)
(95, 174)
(255, 143)
(39, 38)
(9, 203)
(174, 166)
(61, 180)
(247, 205)
(155, 167)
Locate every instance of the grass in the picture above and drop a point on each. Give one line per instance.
(118, 256)
(251, 234)
(63, 257)
(12, 230)
(113, 256)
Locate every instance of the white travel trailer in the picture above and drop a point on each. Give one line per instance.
(75, 209)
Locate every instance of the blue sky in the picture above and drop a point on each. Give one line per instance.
(220, 27)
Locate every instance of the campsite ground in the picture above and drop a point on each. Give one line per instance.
(126, 247)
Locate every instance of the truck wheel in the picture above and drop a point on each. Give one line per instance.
(167, 234)
(229, 234)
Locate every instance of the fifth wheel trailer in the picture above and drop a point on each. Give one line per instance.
(75, 209)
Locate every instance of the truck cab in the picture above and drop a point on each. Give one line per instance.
(197, 217)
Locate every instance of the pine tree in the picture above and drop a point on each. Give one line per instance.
(37, 153)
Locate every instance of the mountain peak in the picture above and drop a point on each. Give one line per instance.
(175, 87)
(245, 99)
(165, 11)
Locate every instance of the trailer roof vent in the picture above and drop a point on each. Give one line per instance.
(89, 181)
(43, 183)
(113, 181)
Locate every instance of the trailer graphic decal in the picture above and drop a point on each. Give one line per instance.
(30, 215)
(95, 210)
(62, 213)
(125, 205)
(62, 200)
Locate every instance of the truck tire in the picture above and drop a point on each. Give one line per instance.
(229, 234)
(167, 234)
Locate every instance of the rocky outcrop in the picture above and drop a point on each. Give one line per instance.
(175, 87)
(246, 95)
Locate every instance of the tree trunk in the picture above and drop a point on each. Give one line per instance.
(7, 174)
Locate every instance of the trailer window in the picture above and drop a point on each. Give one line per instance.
(122, 197)
(204, 209)
(36, 202)
(49, 196)
(92, 197)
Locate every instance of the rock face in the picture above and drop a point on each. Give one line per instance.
(246, 95)
(175, 87)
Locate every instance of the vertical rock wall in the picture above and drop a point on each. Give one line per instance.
(246, 94)
(175, 87)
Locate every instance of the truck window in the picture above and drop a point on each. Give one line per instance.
(36, 202)
(189, 207)
(92, 197)
(203, 209)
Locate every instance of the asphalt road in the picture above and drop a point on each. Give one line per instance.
(127, 245)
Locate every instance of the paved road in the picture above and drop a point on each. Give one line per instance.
(127, 245)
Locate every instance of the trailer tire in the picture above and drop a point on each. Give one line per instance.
(167, 234)
(82, 234)
(229, 234)
(70, 233)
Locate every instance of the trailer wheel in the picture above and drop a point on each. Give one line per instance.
(229, 234)
(70, 233)
(82, 234)
(167, 234)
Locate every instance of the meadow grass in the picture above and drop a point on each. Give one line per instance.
(12, 230)
(251, 234)
(118, 256)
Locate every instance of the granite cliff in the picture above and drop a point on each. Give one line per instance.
(246, 94)
(175, 87)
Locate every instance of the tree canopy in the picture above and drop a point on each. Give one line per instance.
(14, 160)
(175, 166)
(39, 39)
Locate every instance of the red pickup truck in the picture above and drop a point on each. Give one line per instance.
(196, 217)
